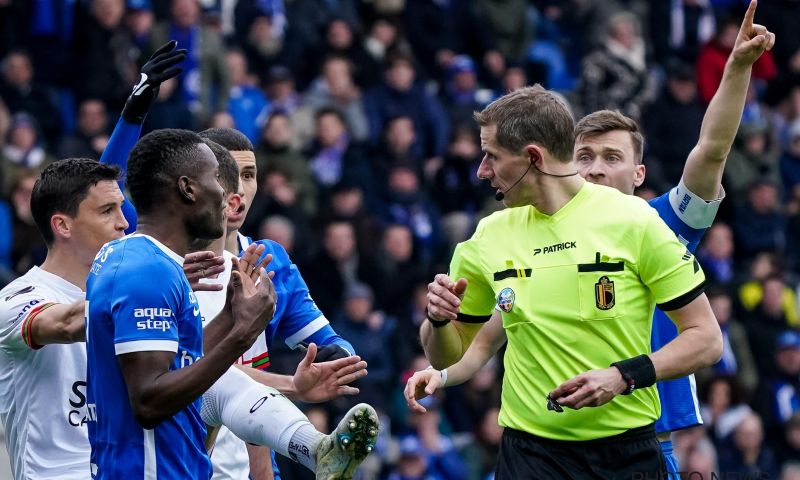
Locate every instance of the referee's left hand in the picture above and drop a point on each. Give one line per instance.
(590, 389)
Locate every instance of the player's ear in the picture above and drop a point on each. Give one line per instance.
(638, 175)
(61, 225)
(186, 189)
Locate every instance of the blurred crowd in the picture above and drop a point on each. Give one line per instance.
(360, 114)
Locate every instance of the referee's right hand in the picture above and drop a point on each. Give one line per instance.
(444, 297)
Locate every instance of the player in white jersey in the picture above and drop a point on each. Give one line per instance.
(231, 458)
(76, 204)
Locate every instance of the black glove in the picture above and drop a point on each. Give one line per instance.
(160, 67)
(327, 353)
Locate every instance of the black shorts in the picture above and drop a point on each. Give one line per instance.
(632, 455)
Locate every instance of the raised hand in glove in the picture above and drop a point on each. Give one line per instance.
(161, 66)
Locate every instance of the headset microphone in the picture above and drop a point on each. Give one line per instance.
(499, 196)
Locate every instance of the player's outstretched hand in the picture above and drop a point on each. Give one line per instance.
(753, 39)
(444, 297)
(203, 265)
(162, 65)
(590, 389)
(251, 294)
(420, 385)
(320, 382)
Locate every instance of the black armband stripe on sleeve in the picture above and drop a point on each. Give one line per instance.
(512, 273)
(464, 318)
(683, 300)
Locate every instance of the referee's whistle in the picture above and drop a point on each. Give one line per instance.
(553, 405)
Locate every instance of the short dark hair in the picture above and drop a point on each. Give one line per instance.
(604, 121)
(331, 111)
(228, 170)
(233, 140)
(531, 115)
(61, 188)
(156, 161)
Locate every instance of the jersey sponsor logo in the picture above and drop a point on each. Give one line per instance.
(684, 203)
(505, 299)
(151, 313)
(556, 247)
(296, 447)
(78, 416)
(27, 289)
(604, 293)
(261, 401)
(187, 358)
(27, 308)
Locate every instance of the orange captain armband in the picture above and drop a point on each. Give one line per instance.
(26, 325)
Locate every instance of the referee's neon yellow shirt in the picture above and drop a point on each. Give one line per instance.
(576, 291)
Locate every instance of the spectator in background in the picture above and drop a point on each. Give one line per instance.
(701, 459)
(260, 33)
(23, 149)
(510, 25)
(407, 204)
(749, 455)
(335, 267)
(169, 110)
(103, 47)
(348, 203)
(139, 20)
(205, 81)
(281, 91)
(91, 137)
(395, 261)
(220, 119)
(790, 471)
(279, 229)
(749, 160)
(672, 124)
(723, 407)
(714, 55)
(439, 30)
(615, 75)
(716, 254)
(333, 157)
(400, 95)
(29, 248)
(481, 454)
(790, 160)
(397, 147)
(20, 94)
(680, 28)
(456, 189)
(767, 321)
(383, 38)
(413, 463)
(335, 88)
(461, 96)
(341, 40)
(247, 104)
(759, 224)
(788, 447)
(370, 331)
(737, 358)
(781, 387)
(275, 153)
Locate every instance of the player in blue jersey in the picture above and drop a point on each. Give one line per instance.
(608, 150)
(145, 339)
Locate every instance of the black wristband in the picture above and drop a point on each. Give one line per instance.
(638, 372)
(435, 323)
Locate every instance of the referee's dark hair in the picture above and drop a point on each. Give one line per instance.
(62, 186)
(156, 161)
(233, 140)
(228, 170)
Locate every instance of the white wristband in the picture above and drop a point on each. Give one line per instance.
(443, 374)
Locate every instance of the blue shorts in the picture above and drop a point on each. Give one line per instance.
(672, 462)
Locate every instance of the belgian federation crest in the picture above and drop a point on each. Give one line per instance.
(604, 293)
(505, 299)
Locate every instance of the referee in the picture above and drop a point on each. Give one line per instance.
(570, 279)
